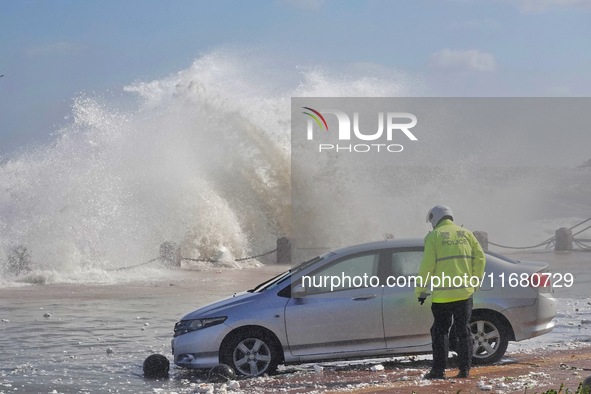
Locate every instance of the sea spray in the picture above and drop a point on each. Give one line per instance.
(202, 158)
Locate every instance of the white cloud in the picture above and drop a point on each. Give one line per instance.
(54, 48)
(463, 60)
(304, 4)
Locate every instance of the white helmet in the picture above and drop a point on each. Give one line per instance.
(437, 213)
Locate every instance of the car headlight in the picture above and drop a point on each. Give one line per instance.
(185, 326)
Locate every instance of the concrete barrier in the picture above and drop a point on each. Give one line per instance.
(482, 237)
(170, 253)
(563, 240)
(283, 251)
(19, 259)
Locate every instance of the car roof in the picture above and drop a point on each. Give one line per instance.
(386, 244)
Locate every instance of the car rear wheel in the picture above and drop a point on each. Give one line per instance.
(490, 339)
(250, 354)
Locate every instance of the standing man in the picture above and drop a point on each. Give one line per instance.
(450, 252)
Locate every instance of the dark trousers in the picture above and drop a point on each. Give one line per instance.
(460, 312)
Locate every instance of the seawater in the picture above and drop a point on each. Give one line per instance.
(74, 338)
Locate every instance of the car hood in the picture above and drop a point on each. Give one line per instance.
(220, 307)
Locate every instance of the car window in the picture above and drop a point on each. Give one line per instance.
(405, 263)
(354, 267)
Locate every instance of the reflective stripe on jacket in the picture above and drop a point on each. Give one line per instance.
(452, 257)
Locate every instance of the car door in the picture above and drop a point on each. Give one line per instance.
(333, 319)
(406, 323)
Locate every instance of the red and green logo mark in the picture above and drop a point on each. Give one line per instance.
(317, 116)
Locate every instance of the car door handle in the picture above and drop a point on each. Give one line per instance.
(364, 297)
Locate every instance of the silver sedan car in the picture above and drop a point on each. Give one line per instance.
(358, 302)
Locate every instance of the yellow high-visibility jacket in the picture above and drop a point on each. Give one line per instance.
(450, 252)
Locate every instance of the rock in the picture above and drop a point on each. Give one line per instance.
(221, 373)
(156, 366)
(377, 368)
(110, 350)
(47, 315)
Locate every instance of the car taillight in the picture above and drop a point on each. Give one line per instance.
(540, 280)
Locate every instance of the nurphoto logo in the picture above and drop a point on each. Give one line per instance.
(397, 124)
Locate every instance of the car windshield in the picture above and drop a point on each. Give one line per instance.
(284, 275)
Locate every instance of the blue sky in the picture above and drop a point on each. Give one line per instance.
(51, 51)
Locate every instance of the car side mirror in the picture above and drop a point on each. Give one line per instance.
(298, 291)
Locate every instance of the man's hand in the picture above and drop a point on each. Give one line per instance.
(422, 300)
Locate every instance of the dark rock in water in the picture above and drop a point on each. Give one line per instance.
(221, 373)
(156, 366)
(587, 385)
(19, 260)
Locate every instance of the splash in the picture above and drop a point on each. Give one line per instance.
(200, 158)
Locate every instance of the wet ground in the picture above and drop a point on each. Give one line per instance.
(533, 372)
(87, 338)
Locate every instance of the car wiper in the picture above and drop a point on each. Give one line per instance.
(283, 275)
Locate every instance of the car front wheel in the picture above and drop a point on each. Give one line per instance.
(490, 339)
(250, 354)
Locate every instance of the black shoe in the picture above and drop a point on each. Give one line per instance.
(463, 374)
(431, 375)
